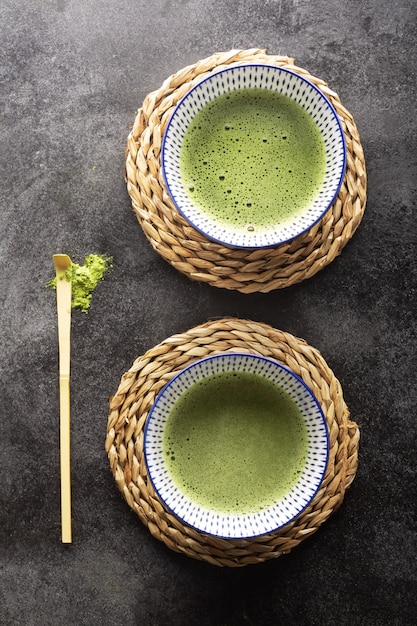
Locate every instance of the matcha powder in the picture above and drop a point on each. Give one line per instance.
(85, 278)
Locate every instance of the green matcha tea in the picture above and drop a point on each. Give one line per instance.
(235, 443)
(252, 158)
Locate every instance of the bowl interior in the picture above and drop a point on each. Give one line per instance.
(267, 176)
(242, 454)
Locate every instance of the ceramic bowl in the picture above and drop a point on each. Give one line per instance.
(280, 229)
(247, 472)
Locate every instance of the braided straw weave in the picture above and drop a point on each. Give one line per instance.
(189, 251)
(138, 388)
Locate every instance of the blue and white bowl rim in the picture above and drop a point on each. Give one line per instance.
(300, 381)
(228, 69)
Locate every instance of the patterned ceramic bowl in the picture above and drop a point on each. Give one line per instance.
(253, 156)
(236, 445)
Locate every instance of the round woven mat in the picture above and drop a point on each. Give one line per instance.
(192, 253)
(138, 388)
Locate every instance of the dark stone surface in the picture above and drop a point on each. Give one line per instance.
(72, 77)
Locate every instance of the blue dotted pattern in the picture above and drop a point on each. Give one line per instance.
(267, 77)
(250, 525)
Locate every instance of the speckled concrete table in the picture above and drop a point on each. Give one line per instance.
(73, 76)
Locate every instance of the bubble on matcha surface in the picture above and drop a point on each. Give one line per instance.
(85, 278)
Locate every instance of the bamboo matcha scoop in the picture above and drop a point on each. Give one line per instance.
(63, 298)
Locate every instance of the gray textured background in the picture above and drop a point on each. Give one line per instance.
(72, 77)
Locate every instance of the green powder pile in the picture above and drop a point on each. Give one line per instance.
(85, 278)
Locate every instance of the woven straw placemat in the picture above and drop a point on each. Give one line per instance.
(192, 253)
(130, 406)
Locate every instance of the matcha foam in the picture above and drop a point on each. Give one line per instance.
(252, 158)
(235, 443)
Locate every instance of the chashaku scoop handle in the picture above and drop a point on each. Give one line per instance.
(63, 297)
